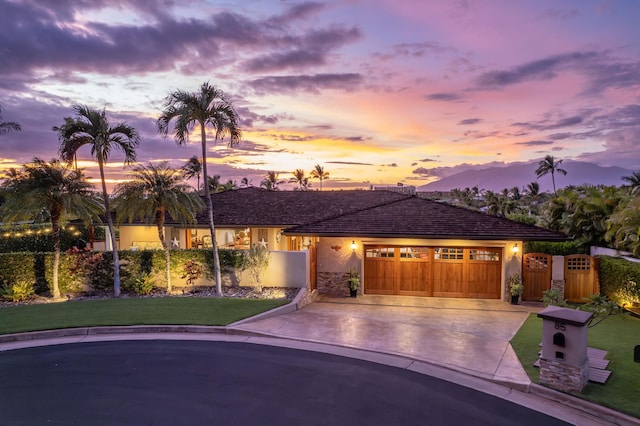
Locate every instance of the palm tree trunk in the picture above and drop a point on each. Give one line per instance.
(112, 233)
(55, 225)
(553, 181)
(207, 198)
(165, 247)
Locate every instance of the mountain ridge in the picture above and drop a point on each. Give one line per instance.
(496, 178)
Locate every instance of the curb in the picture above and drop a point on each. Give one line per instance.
(605, 413)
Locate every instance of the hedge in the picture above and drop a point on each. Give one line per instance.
(87, 270)
(555, 249)
(615, 274)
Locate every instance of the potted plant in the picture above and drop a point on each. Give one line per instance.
(515, 288)
(354, 282)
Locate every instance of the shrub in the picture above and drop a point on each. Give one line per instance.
(142, 283)
(552, 297)
(193, 270)
(554, 248)
(19, 291)
(257, 260)
(615, 277)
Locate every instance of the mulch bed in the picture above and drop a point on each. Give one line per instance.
(228, 292)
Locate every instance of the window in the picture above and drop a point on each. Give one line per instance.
(414, 252)
(578, 264)
(385, 252)
(448, 253)
(484, 255)
(535, 262)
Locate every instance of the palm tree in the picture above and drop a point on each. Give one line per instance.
(300, 179)
(152, 192)
(7, 126)
(91, 127)
(319, 173)
(207, 107)
(245, 182)
(271, 182)
(634, 182)
(193, 168)
(53, 189)
(549, 165)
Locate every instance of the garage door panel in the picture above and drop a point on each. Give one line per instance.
(413, 278)
(484, 280)
(448, 279)
(379, 276)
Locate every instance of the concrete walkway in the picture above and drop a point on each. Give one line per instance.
(469, 336)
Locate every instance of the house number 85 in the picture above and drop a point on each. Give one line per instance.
(560, 326)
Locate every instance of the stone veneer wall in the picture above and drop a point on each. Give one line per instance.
(334, 284)
(558, 285)
(566, 378)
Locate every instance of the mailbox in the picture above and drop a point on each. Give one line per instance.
(563, 363)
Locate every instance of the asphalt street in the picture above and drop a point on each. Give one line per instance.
(167, 382)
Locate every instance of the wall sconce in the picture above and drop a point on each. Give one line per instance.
(514, 249)
(354, 246)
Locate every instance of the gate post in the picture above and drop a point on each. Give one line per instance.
(557, 275)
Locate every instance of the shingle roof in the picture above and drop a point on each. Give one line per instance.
(415, 217)
(260, 207)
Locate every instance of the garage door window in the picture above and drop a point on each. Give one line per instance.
(414, 252)
(448, 253)
(379, 252)
(484, 255)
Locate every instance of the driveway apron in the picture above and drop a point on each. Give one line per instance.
(465, 335)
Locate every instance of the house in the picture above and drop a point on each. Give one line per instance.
(400, 244)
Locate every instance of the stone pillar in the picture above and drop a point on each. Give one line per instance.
(333, 283)
(564, 361)
(557, 275)
(558, 285)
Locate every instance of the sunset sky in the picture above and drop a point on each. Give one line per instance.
(376, 91)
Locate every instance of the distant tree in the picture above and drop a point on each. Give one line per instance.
(193, 168)
(634, 182)
(300, 179)
(196, 110)
(623, 226)
(91, 127)
(55, 190)
(271, 181)
(151, 192)
(319, 173)
(245, 182)
(8, 126)
(549, 165)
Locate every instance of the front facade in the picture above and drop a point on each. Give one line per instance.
(399, 244)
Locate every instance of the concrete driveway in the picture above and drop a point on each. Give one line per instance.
(471, 336)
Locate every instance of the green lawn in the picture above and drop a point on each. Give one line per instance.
(162, 310)
(618, 335)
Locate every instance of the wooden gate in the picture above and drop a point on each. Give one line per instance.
(313, 267)
(580, 278)
(536, 275)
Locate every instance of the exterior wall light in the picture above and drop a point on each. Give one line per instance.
(514, 249)
(353, 245)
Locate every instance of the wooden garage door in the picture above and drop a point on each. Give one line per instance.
(397, 270)
(467, 272)
(433, 271)
(485, 273)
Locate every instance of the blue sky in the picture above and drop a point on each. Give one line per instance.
(377, 92)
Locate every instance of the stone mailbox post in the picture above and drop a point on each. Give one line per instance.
(564, 362)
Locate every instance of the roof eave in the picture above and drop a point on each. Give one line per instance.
(429, 236)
